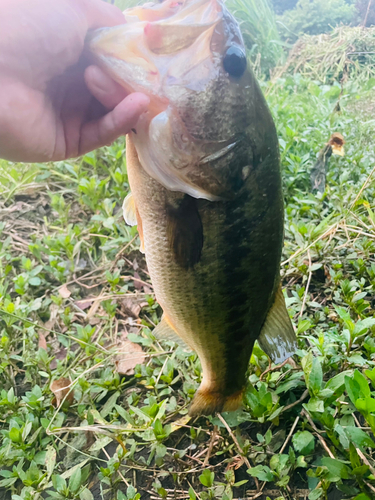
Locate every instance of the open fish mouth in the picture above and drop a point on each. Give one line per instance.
(138, 54)
(179, 54)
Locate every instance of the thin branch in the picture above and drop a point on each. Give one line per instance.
(289, 435)
(321, 439)
(307, 286)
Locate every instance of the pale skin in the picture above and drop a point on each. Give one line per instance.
(53, 103)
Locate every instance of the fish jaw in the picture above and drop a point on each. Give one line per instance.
(155, 46)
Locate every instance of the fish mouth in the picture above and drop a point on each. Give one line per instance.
(159, 44)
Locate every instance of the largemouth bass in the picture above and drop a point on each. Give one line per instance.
(203, 168)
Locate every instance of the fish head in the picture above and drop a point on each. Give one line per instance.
(189, 57)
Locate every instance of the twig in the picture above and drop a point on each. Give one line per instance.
(370, 486)
(365, 461)
(367, 13)
(304, 396)
(240, 450)
(210, 446)
(303, 250)
(161, 371)
(196, 494)
(364, 186)
(321, 439)
(119, 473)
(122, 250)
(289, 435)
(257, 495)
(270, 369)
(307, 286)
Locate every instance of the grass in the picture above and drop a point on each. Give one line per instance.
(259, 29)
(346, 51)
(92, 406)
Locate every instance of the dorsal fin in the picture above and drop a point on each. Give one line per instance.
(185, 232)
(277, 338)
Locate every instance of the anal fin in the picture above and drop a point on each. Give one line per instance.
(277, 338)
(164, 331)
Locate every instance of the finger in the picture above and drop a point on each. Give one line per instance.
(114, 124)
(103, 88)
(101, 14)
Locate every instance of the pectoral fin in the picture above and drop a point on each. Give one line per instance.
(132, 217)
(164, 331)
(277, 338)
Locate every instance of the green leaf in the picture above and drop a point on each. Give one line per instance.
(59, 483)
(75, 481)
(359, 437)
(262, 472)
(50, 460)
(15, 435)
(315, 405)
(192, 495)
(317, 493)
(101, 443)
(316, 376)
(307, 363)
(336, 469)
(35, 281)
(131, 492)
(86, 495)
(352, 388)
(240, 483)
(366, 405)
(207, 478)
(303, 442)
(369, 373)
(109, 405)
(301, 462)
(338, 381)
(363, 383)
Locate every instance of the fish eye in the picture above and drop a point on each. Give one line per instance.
(235, 61)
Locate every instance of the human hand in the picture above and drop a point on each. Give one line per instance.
(47, 108)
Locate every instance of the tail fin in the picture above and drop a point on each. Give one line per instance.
(208, 403)
(277, 337)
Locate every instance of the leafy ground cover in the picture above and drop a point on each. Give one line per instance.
(93, 406)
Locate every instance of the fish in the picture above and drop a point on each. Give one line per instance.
(205, 188)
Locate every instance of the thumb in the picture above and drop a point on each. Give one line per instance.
(118, 122)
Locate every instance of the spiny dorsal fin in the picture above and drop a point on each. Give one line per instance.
(132, 217)
(164, 331)
(185, 232)
(277, 338)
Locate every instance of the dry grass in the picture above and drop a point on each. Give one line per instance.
(345, 52)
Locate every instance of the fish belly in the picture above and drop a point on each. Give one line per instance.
(219, 304)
